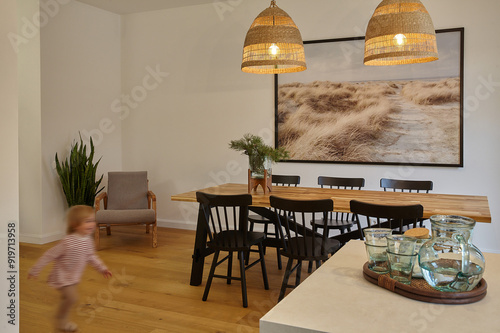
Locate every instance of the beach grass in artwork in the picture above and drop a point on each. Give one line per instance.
(405, 121)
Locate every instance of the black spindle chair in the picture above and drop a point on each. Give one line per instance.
(300, 243)
(272, 237)
(368, 215)
(339, 220)
(386, 216)
(402, 185)
(226, 219)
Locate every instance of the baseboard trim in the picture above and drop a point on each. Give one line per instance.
(185, 225)
(40, 239)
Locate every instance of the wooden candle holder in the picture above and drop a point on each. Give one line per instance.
(265, 183)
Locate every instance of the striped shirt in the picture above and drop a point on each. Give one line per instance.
(70, 257)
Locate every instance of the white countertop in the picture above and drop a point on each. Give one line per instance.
(337, 298)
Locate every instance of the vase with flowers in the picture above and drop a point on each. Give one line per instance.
(260, 159)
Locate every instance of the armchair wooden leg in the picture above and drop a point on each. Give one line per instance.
(108, 230)
(147, 228)
(154, 235)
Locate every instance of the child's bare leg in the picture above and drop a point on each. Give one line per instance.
(69, 297)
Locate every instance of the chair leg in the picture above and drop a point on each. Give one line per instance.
(310, 267)
(229, 266)
(108, 230)
(247, 258)
(263, 267)
(154, 235)
(211, 275)
(285, 279)
(278, 254)
(147, 228)
(241, 256)
(265, 233)
(298, 272)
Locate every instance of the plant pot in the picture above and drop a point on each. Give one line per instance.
(259, 173)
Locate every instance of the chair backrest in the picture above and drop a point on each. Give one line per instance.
(225, 213)
(385, 216)
(294, 216)
(285, 180)
(127, 190)
(406, 185)
(341, 183)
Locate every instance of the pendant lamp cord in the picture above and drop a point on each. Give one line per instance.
(273, 4)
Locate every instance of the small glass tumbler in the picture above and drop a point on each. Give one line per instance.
(377, 236)
(377, 258)
(401, 257)
(422, 236)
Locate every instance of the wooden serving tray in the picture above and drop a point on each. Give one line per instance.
(420, 290)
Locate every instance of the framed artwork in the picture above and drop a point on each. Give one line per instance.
(341, 111)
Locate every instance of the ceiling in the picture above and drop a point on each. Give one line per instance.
(136, 6)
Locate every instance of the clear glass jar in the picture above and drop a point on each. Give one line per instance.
(257, 164)
(449, 262)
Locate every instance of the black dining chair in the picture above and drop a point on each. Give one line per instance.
(226, 219)
(368, 215)
(403, 185)
(272, 236)
(338, 220)
(300, 243)
(395, 217)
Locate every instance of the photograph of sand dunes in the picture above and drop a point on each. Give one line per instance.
(341, 111)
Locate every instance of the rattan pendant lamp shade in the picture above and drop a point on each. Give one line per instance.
(273, 44)
(400, 32)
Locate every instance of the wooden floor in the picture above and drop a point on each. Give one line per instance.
(150, 291)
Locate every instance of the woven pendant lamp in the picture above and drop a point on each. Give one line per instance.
(400, 32)
(273, 44)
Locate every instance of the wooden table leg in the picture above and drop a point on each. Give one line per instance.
(200, 250)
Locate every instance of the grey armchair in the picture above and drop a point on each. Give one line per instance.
(126, 202)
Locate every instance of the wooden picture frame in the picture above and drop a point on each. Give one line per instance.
(341, 111)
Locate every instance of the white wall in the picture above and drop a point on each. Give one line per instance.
(30, 119)
(80, 78)
(179, 131)
(9, 174)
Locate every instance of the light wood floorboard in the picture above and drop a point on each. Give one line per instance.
(150, 291)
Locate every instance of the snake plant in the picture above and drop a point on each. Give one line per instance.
(77, 174)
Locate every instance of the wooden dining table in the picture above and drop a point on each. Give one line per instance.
(473, 206)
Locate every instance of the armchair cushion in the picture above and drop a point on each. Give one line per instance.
(127, 190)
(111, 216)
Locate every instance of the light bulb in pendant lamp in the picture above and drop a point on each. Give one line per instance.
(400, 32)
(273, 44)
